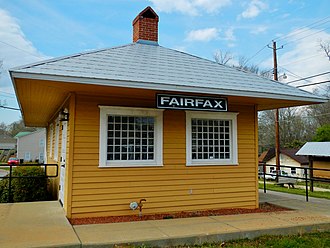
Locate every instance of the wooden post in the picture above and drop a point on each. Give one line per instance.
(311, 174)
(277, 132)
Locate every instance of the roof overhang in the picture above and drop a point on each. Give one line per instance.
(29, 93)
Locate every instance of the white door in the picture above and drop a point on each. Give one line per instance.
(63, 162)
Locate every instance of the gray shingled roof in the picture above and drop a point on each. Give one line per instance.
(147, 65)
(318, 149)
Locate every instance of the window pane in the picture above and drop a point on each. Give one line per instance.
(212, 138)
(127, 134)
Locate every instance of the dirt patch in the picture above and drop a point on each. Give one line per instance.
(263, 208)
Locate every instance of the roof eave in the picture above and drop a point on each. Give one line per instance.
(166, 87)
(12, 77)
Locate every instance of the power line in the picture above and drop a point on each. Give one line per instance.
(303, 29)
(257, 53)
(37, 56)
(301, 78)
(9, 108)
(301, 38)
(299, 60)
(317, 75)
(322, 82)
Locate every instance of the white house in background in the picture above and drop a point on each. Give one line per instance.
(31, 146)
(288, 157)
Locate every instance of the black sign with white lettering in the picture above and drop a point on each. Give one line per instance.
(191, 102)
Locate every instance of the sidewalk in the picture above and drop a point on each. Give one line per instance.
(297, 202)
(200, 229)
(3, 173)
(309, 217)
(43, 224)
(35, 224)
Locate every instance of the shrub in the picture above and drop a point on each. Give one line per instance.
(25, 189)
(322, 133)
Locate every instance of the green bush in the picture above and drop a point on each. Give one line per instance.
(25, 189)
(322, 133)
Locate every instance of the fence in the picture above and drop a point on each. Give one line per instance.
(10, 176)
(308, 175)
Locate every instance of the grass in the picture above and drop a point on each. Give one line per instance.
(308, 240)
(319, 240)
(323, 185)
(317, 194)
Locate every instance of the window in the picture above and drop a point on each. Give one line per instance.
(293, 171)
(130, 137)
(211, 138)
(27, 156)
(41, 142)
(41, 157)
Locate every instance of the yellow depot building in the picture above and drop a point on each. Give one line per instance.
(141, 121)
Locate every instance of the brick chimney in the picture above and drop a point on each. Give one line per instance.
(145, 26)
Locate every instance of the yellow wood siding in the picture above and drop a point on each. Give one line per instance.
(321, 165)
(53, 182)
(172, 187)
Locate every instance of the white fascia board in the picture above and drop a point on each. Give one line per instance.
(163, 86)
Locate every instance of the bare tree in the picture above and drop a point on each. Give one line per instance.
(222, 57)
(325, 46)
(320, 112)
(243, 64)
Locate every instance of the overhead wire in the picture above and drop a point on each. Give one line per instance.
(303, 29)
(256, 53)
(302, 78)
(303, 59)
(305, 85)
(313, 76)
(11, 108)
(301, 38)
(37, 56)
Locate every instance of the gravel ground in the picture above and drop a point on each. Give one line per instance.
(264, 207)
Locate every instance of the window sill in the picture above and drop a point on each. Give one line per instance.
(130, 165)
(213, 163)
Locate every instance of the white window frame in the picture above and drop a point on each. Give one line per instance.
(233, 138)
(57, 138)
(27, 156)
(41, 142)
(41, 157)
(124, 111)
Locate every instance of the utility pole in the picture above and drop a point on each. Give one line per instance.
(277, 129)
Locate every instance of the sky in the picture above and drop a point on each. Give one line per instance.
(34, 30)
